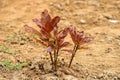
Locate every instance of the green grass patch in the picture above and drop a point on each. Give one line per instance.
(12, 66)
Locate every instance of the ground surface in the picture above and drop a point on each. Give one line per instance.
(98, 18)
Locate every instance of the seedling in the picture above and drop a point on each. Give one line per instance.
(5, 49)
(8, 64)
(21, 65)
(11, 37)
(78, 39)
(34, 35)
(50, 36)
(12, 66)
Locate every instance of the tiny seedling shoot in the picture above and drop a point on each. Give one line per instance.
(50, 36)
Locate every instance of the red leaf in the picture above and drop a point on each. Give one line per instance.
(87, 39)
(49, 49)
(62, 34)
(64, 44)
(49, 26)
(72, 31)
(41, 42)
(44, 38)
(32, 30)
(45, 33)
(55, 31)
(45, 17)
(59, 42)
(79, 36)
(55, 20)
(69, 51)
(37, 21)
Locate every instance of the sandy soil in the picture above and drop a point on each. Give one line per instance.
(98, 18)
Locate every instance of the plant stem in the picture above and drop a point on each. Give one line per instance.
(56, 57)
(75, 49)
(51, 57)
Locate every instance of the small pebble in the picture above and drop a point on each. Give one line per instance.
(113, 21)
(82, 21)
(51, 3)
(69, 77)
(59, 6)
(95, 3)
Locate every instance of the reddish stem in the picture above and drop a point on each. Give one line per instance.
(73, 55)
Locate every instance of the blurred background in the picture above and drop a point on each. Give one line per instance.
(98, 18)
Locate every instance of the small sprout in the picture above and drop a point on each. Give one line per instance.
(11, 37)
(12, 66)
(19, 66)
(78, 39)
(50, 36)
(8, 64)
(5, 49)
(34, 35)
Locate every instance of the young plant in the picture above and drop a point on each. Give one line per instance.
(12, 66)
(7, 63)
(78, 39)
(5, 49)
(53, 39)
(49, 35)
(11, 37)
